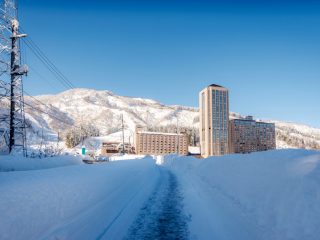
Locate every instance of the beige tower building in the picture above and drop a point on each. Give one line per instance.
(214, 120)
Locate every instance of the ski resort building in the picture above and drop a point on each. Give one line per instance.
(158, 143)
(214, 118)
(247, 135)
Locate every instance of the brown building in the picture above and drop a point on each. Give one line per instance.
(214, 118)
(247, 135)
(157, 143)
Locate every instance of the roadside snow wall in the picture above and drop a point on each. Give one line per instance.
(265, 195)
(19, 163)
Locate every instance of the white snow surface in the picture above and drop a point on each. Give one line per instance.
(97, 201)
(265, 195)
(19, 163)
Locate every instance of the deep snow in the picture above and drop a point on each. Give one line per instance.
(97, 201)
(266, 195)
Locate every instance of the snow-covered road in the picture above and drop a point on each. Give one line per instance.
(162, 216)
(76, 202)
(259, 196)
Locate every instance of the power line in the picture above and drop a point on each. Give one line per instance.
(42, 53)
(44, 59)
(50, 67)
(37, 100)
(42, 111)
(41, 77)
(17, 123)
(51, 115)
(31, 43)
(45, 112)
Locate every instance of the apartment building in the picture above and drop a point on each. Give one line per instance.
(157, 143)
(247, 135)
(214, 120)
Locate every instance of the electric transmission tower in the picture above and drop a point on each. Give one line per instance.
(12, 120)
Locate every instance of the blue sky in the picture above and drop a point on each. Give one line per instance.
(266, 53)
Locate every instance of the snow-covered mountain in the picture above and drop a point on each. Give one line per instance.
(292, 135)
(104, 108)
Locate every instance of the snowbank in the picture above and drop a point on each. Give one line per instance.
(19, 163)
(266, 195)
(98, 201)
(259, 196)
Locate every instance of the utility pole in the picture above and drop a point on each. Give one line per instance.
(81, 135)
(193, 137)
(40, 148)
(11, 67)
(123, 150)
(58, 141)
(16, 123)
(178, 135)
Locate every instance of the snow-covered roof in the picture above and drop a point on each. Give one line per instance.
(160, 133)
(194, 150)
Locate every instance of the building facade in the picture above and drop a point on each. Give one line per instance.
(247, 135)
(156, 143)
(214, 120)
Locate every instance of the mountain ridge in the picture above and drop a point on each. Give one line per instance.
(104, 108)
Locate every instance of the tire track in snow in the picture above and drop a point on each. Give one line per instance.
(162, 216)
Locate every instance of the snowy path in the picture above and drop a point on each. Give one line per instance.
(162, 216)
(75, 202)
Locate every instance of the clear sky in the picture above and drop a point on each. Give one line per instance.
(266, 54)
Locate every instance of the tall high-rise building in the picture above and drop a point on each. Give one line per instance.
(214, 120)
